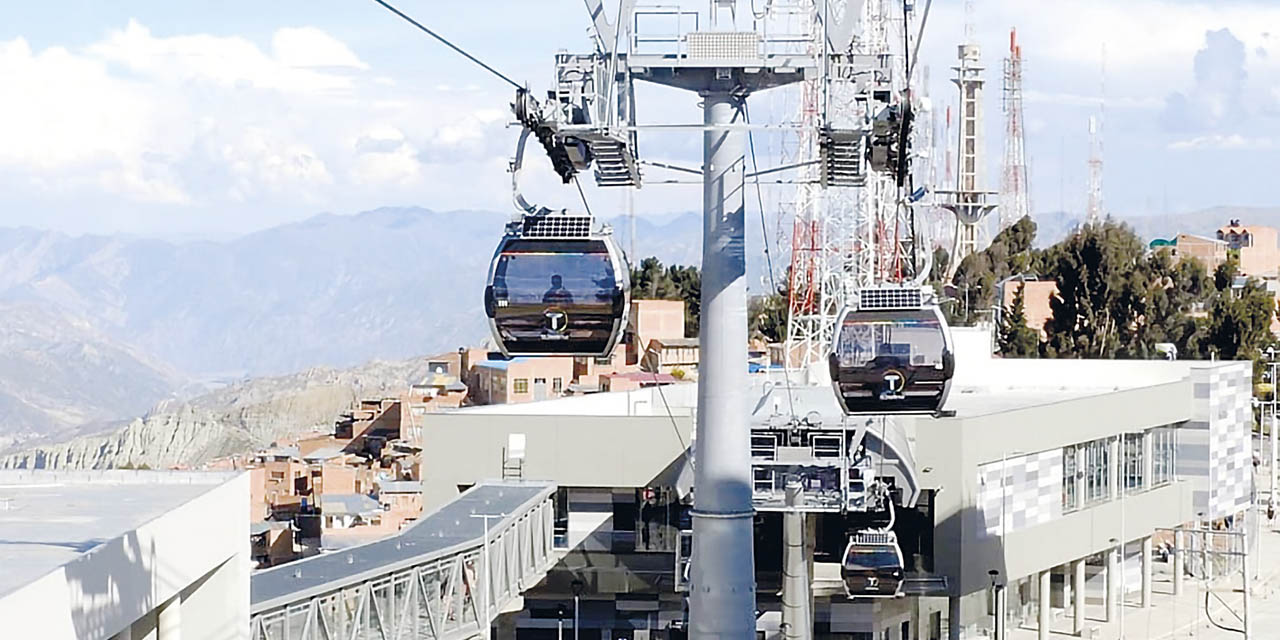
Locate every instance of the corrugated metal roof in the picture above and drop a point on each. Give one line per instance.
(337, 504)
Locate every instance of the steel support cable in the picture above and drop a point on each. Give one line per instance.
(582, 194)
(451, 45)
(670, 416)
(764, 230)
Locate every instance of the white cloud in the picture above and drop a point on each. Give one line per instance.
(1222, 142)
(209, 121)
(232, 61)
(311, 47)
(1032, 96)
(64, 109)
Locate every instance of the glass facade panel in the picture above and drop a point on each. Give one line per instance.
(1132, 462)
(1097, 471)
(1070, 472)
(1163, 446)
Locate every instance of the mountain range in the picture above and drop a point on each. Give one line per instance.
(96, 330)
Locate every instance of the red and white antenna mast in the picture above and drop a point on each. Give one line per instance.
(1015, 189)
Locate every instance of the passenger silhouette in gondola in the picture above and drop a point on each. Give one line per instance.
(557, 294)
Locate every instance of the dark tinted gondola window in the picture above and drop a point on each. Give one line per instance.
(871, 559)
(555, 278)
(905, 337)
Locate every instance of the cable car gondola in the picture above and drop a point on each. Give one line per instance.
(557, 286)
(872, 565)
(892, 353)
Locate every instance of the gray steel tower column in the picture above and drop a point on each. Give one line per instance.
(797, 620)
(722, 515)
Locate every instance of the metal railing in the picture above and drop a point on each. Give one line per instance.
(452, 594)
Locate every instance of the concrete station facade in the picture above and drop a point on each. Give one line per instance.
(1049, 472)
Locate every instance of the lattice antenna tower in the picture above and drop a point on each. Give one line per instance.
(1015, 190)
(1094, 212)
(810, 312)
(843, 236)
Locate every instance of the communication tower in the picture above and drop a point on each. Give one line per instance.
(969, 202)
(1094, 212)
(851, 229)
(1015, 190)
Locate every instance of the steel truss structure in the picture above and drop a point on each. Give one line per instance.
(450, 594)
(847, 234)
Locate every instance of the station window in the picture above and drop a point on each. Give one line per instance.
(1097, 471)
(1070, 473)
(1162, 451)
(1132, 460)
(520, 385)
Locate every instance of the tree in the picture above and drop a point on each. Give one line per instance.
(1239, 323)
(1101, 293)
(977, 276)
(1016, 338)
(767, 315)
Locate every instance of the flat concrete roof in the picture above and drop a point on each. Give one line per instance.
(447, 527)
(48, 518)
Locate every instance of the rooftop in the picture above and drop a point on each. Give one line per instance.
(324, 453)
(48, 518)
(676, 342)
(500, 364)
(447, 527)
(336, 504)
(399, 486)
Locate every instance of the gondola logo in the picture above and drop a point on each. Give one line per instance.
(557, 320)
(894, 382)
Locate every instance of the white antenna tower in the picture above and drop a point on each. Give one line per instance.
(1094, 212)
(968, 201)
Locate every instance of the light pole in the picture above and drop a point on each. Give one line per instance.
(997, 605)
(560, 622)
(485, 625)
(1275, 438)
(1117, 546)
(576, 586)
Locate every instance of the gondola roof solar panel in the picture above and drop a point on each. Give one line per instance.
(556, 227)
(887, 298)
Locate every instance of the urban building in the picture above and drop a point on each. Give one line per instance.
(1037, 296)
(124, 554)
(677, 356)
(1258, 247)
(653, 320)
(522, 379)
(1211, 252)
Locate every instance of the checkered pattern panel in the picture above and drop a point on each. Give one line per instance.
(1227, 415)
(1213, 447)
(1032, 492)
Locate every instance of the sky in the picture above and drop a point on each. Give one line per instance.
(210, 117)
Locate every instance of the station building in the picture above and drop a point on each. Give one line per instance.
(124, 555)
(1057, 475)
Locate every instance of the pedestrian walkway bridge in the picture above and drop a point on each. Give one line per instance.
(432, 580)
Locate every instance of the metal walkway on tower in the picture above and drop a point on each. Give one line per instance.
(432, 580)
